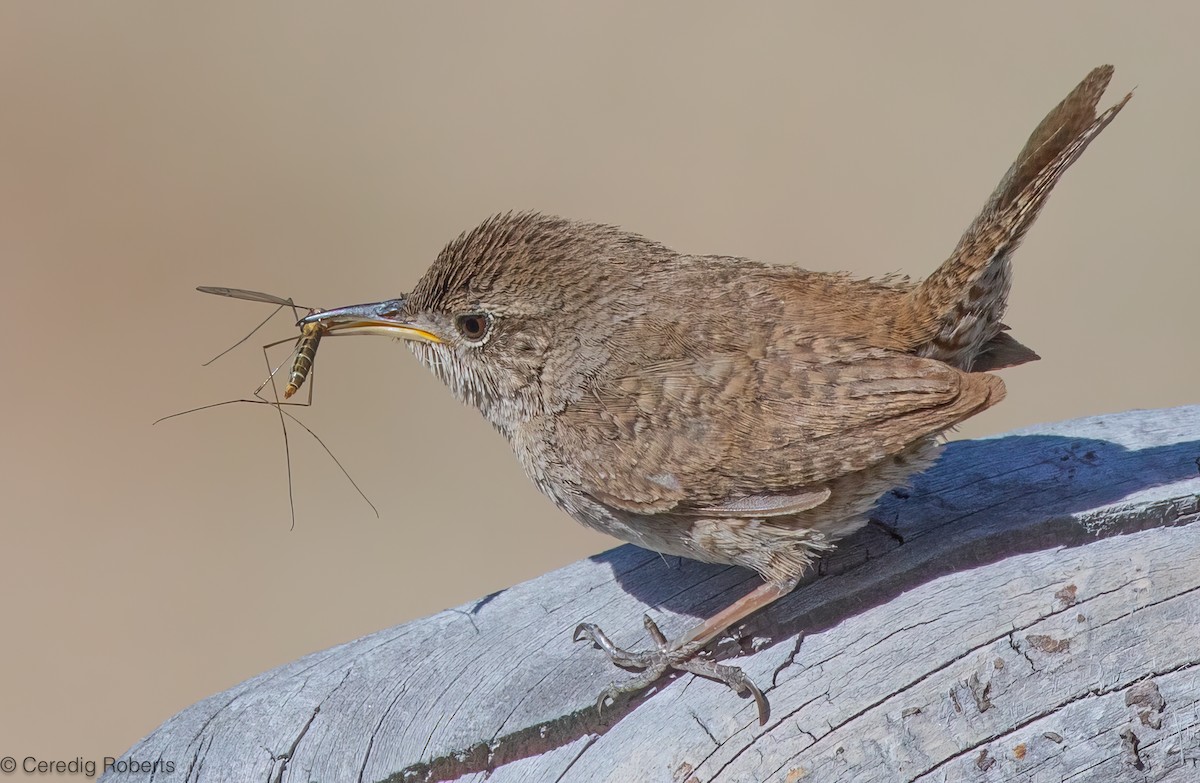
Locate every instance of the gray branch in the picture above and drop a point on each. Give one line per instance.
(1029, 609)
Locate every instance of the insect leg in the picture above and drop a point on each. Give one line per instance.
(247, 337)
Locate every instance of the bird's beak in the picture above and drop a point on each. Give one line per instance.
(385, 318)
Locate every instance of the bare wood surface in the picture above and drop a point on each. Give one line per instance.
(1028, 610)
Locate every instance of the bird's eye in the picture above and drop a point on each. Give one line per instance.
(473, 326)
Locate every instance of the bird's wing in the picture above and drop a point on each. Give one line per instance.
(736, 433)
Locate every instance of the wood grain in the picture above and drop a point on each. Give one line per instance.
(1029, 609)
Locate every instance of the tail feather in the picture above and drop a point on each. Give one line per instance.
(954, 314)
(1002, 351)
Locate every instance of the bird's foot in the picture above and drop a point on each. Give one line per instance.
(666, 655)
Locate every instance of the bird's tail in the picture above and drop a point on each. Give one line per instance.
(954, 314)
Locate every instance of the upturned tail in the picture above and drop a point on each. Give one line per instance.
(954, 314)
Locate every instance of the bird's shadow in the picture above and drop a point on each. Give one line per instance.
(983, 501)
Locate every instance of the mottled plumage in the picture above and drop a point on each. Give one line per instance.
(720, 408)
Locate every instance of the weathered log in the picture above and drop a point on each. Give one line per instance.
(1028, 610)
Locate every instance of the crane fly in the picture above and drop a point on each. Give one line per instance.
(305, 352)
(302, 357)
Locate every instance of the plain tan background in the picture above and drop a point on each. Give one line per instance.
(328, 151)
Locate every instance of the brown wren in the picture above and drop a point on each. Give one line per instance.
(722, 409)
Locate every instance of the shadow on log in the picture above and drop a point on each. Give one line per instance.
(1029, 609)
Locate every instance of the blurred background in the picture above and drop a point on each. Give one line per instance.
(327, 151)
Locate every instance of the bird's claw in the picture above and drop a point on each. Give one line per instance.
(654, 664)
(619, 656)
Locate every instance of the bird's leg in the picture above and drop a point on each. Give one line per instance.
(681, 653)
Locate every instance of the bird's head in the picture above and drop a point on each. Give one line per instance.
(516, 315)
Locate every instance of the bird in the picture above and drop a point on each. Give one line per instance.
(720, 408)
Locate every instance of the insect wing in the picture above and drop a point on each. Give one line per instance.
(241, 293)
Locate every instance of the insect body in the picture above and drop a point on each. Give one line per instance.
(306, 354)
(306, 348)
